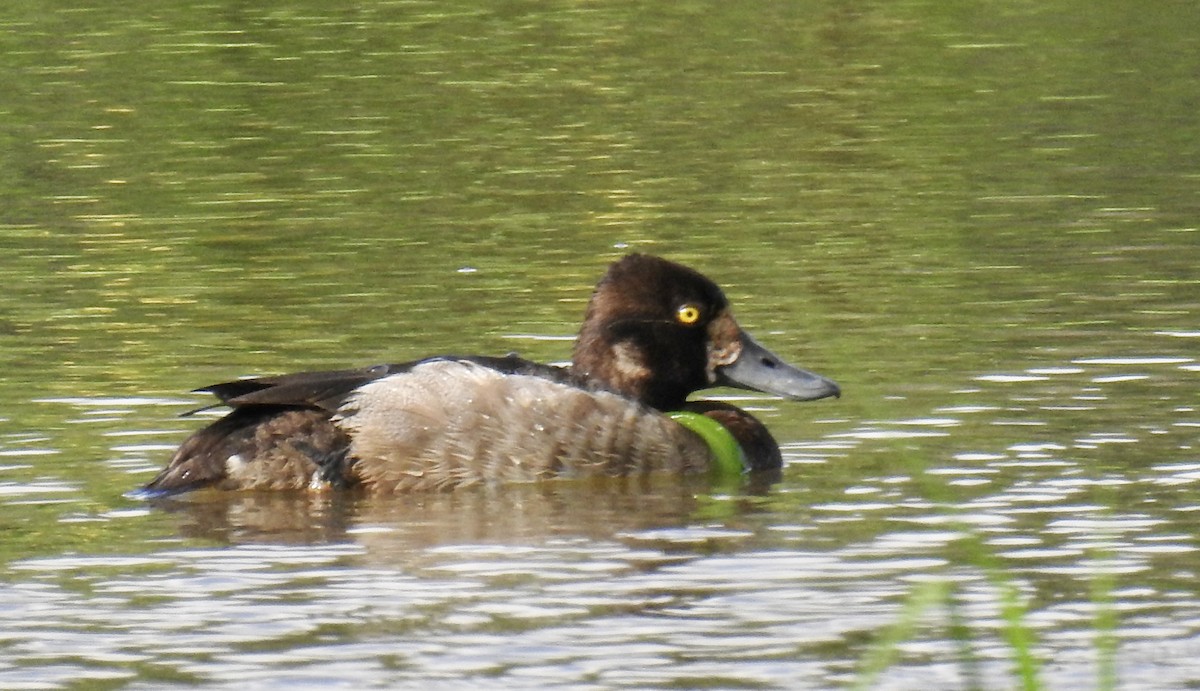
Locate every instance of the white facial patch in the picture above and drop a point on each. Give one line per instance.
(628, 363)
(724, 343)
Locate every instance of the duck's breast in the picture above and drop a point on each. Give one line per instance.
(453, 423)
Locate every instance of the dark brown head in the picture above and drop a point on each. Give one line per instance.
(657, 331)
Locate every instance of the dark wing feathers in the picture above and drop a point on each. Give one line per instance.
(328, 390)
(285, 423)
(324, 390)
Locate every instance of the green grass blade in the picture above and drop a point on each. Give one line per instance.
(1106, 630)
(920, 600)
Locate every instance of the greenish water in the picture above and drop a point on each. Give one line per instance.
(980, 220)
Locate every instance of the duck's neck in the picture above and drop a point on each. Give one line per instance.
(622, 369)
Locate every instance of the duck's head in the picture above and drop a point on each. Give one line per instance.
(657, 331)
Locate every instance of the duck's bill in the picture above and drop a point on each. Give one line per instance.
(761, 370)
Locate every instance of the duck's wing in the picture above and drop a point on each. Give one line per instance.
(323, 390)
(281, 433)
(328, 390)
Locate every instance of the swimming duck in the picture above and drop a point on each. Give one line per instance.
(654, 332)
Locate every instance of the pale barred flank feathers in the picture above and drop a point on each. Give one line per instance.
(448, 424)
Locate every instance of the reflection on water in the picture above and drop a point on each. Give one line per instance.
(517, 514)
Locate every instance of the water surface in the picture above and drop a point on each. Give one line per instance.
(982, 224)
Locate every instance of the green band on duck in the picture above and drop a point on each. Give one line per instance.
(727, 453)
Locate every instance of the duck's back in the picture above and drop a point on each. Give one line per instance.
(432, 425)
(451, 423)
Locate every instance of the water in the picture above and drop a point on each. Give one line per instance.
(983, 225)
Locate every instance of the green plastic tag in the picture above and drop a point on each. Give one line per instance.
(726, 451)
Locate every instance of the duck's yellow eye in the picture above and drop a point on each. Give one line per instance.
(688, 315)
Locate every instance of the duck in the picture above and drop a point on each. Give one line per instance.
(654, 333)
